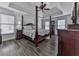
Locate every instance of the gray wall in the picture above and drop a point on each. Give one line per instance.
(28, 19)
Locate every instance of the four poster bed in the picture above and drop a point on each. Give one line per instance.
(35, 35)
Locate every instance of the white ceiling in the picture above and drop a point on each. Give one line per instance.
(6, 6)
(29, 7)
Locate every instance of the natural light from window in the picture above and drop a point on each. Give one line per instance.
(7, 24)
(61, 24)
(47, 25)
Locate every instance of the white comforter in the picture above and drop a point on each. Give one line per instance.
(31, 33)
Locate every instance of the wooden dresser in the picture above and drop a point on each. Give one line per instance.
(19, 35)
(68, 42)
(73, 26)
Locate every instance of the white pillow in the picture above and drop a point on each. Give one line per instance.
(27, 27)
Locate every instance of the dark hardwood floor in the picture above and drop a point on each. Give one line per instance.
(24, 47)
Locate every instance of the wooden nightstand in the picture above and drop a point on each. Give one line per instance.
(19, 35)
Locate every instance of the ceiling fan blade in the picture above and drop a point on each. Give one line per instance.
(46, 9)
(44, 5)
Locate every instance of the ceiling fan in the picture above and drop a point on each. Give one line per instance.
(43, 6)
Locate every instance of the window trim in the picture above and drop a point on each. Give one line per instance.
(61, 25)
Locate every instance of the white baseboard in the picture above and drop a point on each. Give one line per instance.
(8, 39)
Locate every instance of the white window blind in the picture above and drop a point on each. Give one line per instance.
(61, 24)
(7, 24)
(47, 25)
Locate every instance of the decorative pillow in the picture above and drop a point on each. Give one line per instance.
(28, 27)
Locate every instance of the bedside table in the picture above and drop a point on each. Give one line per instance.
(19, 35)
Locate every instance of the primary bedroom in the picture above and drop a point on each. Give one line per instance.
(37, 28)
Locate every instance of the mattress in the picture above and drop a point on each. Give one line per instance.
(31, 33)
(43, 32)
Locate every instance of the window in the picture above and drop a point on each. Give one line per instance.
(61, 24)
(47, 25)
(39, 22)
(7, 24)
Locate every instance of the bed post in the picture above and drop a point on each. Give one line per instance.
(22, 23)
(74, 14)
(36, 33)
(50, 27)
(22, 26)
